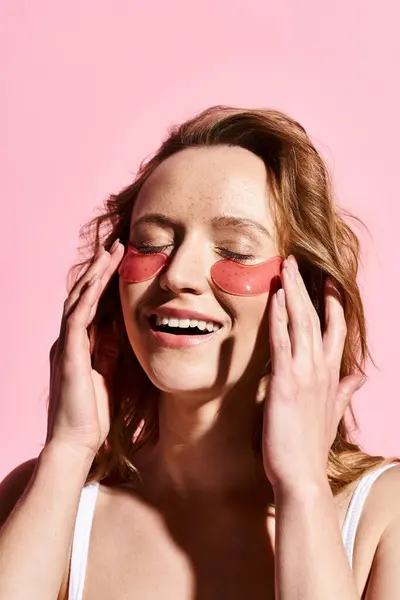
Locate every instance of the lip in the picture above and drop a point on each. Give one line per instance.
(170, 340)
(180, 313)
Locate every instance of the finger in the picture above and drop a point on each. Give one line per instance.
(316, 324)
(116, 253)
(116, 258)
(98, 267)
(334, 336)
(76, 351)
(104, 266)
(300, 324)
(280, 344)
(348, 386)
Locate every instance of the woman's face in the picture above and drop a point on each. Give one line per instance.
(200, 206)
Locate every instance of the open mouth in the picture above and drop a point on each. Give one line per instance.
(176, 326)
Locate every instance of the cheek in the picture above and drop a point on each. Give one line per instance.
(247, 280)
(132, 297)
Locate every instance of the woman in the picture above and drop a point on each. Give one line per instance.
(206, 357)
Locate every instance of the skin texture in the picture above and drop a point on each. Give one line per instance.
(212, 519)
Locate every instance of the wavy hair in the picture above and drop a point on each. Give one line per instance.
(308, 224)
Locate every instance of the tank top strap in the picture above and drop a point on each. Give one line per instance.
(354, 510)
(80, 543)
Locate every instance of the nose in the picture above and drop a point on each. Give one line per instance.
(185, 271)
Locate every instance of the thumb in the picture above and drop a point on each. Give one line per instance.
(348, 386)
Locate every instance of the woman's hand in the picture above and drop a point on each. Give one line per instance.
(304, 398)
(79, 400)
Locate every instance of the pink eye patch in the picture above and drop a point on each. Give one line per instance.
(230, 276)
(245, 280)
(137, 267)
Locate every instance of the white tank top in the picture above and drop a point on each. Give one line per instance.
(83, 525)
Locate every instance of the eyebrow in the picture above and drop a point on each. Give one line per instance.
(156, 218)
(220, 221)
(240, 222)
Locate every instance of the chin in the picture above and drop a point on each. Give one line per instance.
(182, 379)
(205, 372)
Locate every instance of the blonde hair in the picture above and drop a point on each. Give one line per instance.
(308, 225)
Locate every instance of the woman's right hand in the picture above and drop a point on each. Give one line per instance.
(79, 414)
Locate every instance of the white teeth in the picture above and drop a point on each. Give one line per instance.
(186, 323)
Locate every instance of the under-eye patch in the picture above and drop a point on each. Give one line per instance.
(137, 266)
(230, 276)
(245, 280)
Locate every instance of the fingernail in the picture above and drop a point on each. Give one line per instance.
(362, 381)
(293, 261)
(291, 271)
(114, 246)
(280, 296)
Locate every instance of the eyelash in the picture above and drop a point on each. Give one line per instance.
(236, 256)
(147, 249)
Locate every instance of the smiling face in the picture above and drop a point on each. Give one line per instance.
(200, 206)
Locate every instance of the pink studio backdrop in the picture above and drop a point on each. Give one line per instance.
(88, 89)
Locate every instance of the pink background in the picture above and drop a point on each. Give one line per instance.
(88, 89)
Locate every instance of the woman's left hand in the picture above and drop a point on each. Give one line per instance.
(305, 398)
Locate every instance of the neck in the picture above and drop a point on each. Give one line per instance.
(206, 447)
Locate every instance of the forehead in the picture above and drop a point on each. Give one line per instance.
(197, 184)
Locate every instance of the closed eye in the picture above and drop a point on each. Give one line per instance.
(149, 249)
(236, 255)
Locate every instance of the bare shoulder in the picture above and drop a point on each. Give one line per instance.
(13, 486)
(383, 501)
(382, 506)
(378, 534)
